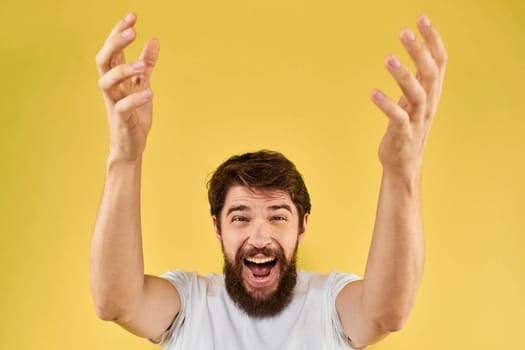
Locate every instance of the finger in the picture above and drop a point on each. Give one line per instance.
(433, 42)
(412, 89)
(127, 22)
(127, 105)
(392, 110)
(403, 102)
(110, 82)
(149, 56)
(423, 60)
(111, 53)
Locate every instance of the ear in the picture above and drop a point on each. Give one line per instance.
(216, 228)
(302, 229)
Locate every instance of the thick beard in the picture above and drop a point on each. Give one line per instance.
(254, 305)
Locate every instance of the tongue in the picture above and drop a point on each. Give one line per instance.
(260, 270)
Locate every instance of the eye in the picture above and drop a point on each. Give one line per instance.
(239, 218)
(279, 218)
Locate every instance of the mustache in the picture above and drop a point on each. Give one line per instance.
(253, 251)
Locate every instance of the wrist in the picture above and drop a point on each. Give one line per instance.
(403, 170)
(409, 179)
(117, 162)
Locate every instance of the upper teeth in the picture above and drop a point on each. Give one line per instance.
(259, 260)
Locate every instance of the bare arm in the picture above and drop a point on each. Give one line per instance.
(145, 305)
(381, 302)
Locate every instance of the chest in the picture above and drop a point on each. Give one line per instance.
(216, 323)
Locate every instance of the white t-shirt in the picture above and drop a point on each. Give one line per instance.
(210, 320)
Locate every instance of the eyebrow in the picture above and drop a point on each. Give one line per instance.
(237, 208)
(246, 208)
(281, 206)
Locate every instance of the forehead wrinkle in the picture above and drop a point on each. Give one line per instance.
(239, 192)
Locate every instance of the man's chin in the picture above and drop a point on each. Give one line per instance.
(261, 296)
(260, 293)
(263, 300)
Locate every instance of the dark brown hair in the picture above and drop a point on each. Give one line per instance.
(268, 170)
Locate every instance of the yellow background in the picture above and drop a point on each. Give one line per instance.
(236, 76)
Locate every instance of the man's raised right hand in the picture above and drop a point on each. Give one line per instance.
(126, 90)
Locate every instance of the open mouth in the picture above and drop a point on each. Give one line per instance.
(260, 267)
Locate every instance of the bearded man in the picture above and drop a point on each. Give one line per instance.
(259, 207)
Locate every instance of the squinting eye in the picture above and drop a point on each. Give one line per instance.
(239, 218)
(279, 218)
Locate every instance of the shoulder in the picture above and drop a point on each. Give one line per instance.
(191, 282)
(190, 276)
(338, 280)
(332, 280)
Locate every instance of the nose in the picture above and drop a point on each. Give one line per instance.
(260, 235)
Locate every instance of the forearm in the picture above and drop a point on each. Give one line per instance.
(382, 301)
(395, 262)
(117, 268)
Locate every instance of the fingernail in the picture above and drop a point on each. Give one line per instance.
(127, 33)
(394, 62)
(129, 17)
(146, 95)
(377, 96)
(409, 35)
(425, 21)
(137, 65)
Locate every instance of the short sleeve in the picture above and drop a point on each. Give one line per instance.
(182, 281)
(336, 282)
